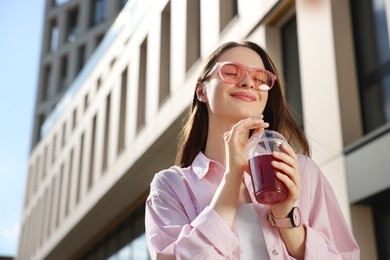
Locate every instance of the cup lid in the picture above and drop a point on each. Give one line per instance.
(263, 143)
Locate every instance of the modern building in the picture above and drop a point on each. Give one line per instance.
(116, 125)
(72, 31)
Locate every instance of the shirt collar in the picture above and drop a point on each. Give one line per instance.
(201, 165)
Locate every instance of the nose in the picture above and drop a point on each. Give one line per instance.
(247, 81)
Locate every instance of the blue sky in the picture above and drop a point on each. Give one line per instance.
(21, 24)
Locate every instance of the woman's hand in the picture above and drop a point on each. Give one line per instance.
(236, 140)
(286, 164)
(226, 197)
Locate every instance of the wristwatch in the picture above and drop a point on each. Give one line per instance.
(293, 219)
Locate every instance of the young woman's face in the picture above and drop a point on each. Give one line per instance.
(239, 100)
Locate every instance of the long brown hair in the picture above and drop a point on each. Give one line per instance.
(193, 136)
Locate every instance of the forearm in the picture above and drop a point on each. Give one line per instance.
(226, 197)
(294, 238)
(206, 235)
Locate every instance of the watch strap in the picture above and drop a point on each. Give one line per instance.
(280, 222)
(284, 222)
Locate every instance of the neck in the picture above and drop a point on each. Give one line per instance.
(215, 146)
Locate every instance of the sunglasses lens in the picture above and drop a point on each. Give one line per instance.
(231, 73)
(264, 87)
(262, 80)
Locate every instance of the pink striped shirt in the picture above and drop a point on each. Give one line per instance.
(180, 224)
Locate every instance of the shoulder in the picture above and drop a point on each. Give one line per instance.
(307, 165)
(313, 179)
(168, 175)
(166, 180)
(310, 172)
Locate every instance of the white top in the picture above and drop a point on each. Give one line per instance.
(252, 242)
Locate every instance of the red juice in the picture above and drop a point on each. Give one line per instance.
(268, 189)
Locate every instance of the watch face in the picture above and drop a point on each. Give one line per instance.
(296, 217)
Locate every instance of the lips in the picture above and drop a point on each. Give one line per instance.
(244, 96)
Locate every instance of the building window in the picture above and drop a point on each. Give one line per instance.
(63, 138)
(44, 215)
(106, 133)
(291, 69)
(37, 172)
(51, 207)
(74, 119)
(373, 61)
(193, 33)
(59, 195)
(40, 221)
(122, 3)
(54, 33)
(142, 86)
(99, 39)
(68, 191)
(54, 149)
(44, 163)
(381, 214)
(112, 63)
(86, 102)
(122, 113)
(228, 10)
(80, 169)
(41, 121)
(81, 57)
(126, 241)
(98, 84)
(98, 10)
(165, 53)
(46, 79)
(92, 153)
(63, 78)
(72, 25)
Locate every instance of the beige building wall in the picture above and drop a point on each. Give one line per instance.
(55, 75)
(320, 97)
(93, 166)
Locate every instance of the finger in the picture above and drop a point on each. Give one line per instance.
(287, 154)
(249, 123)
(291, 173)
(226, 136)
(284, 168)
(283, 157)
(292, 187)
(289, 150)
(261, 127)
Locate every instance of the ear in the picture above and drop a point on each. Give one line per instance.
(200, 92)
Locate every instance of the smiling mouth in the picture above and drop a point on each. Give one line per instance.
(244, 96)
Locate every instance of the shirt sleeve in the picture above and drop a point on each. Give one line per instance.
(172, 234)
(328, 235)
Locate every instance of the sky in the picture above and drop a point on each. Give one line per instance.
(21, 26)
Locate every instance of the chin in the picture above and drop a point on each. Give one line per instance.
(245, 115)
(247, 111)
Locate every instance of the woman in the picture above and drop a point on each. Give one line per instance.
(204, 208)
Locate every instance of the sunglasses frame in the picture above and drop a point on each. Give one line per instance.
(262, 87)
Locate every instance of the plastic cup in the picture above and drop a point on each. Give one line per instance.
(267, 188)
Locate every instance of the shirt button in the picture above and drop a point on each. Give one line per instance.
(274, 252)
